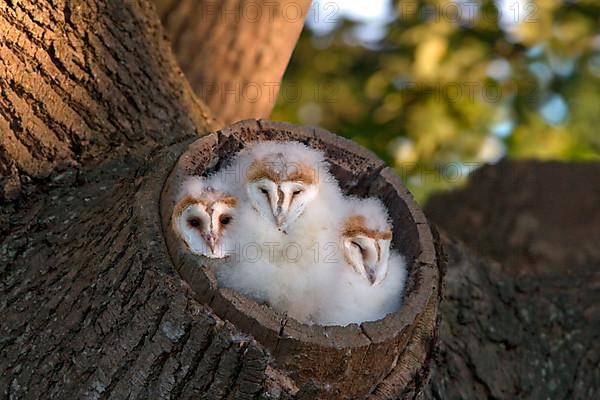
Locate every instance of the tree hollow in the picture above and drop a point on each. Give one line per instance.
(380, 359)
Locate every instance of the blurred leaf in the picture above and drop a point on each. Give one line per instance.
(442, 87)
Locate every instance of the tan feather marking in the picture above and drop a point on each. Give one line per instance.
(185, 202)
(292, 172)
(229, 201)
(178, 210)
(356, 225)
(261, 170)
(303, 173)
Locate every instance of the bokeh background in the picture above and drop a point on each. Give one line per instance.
(438, 87)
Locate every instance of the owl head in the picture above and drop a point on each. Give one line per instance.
(282, 180)
(202, 217)
(366, 239)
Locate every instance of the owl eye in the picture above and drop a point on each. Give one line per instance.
(359, 247)
(264, 191)
(194, 222)
(296, 192)
(225, 219)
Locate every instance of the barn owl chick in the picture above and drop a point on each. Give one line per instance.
(329, 262)
(366, 239)
(285, 186)
(367, 282)
(355, 300)
(281, 179)
(202, 216)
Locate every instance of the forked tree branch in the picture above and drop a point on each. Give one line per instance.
(82, 82)
(234, 52)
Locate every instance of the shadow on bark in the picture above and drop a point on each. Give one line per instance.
(520, 317)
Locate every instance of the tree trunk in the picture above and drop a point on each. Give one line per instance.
(234, 52)
(93, 110)
(90, 307)
(524, 323)
(83, 82)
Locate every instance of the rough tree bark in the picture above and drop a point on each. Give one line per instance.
(82, 82)
(89, 91)
(525, 321)
(91, 305)
(247, 44)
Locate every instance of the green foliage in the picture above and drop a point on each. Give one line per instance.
(448, 86)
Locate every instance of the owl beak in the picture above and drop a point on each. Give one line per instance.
(211, 240)
(372, 277)
(279, 219)
(377, 273)
(279, 215)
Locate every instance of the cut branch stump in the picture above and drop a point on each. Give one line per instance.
(384, 359)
